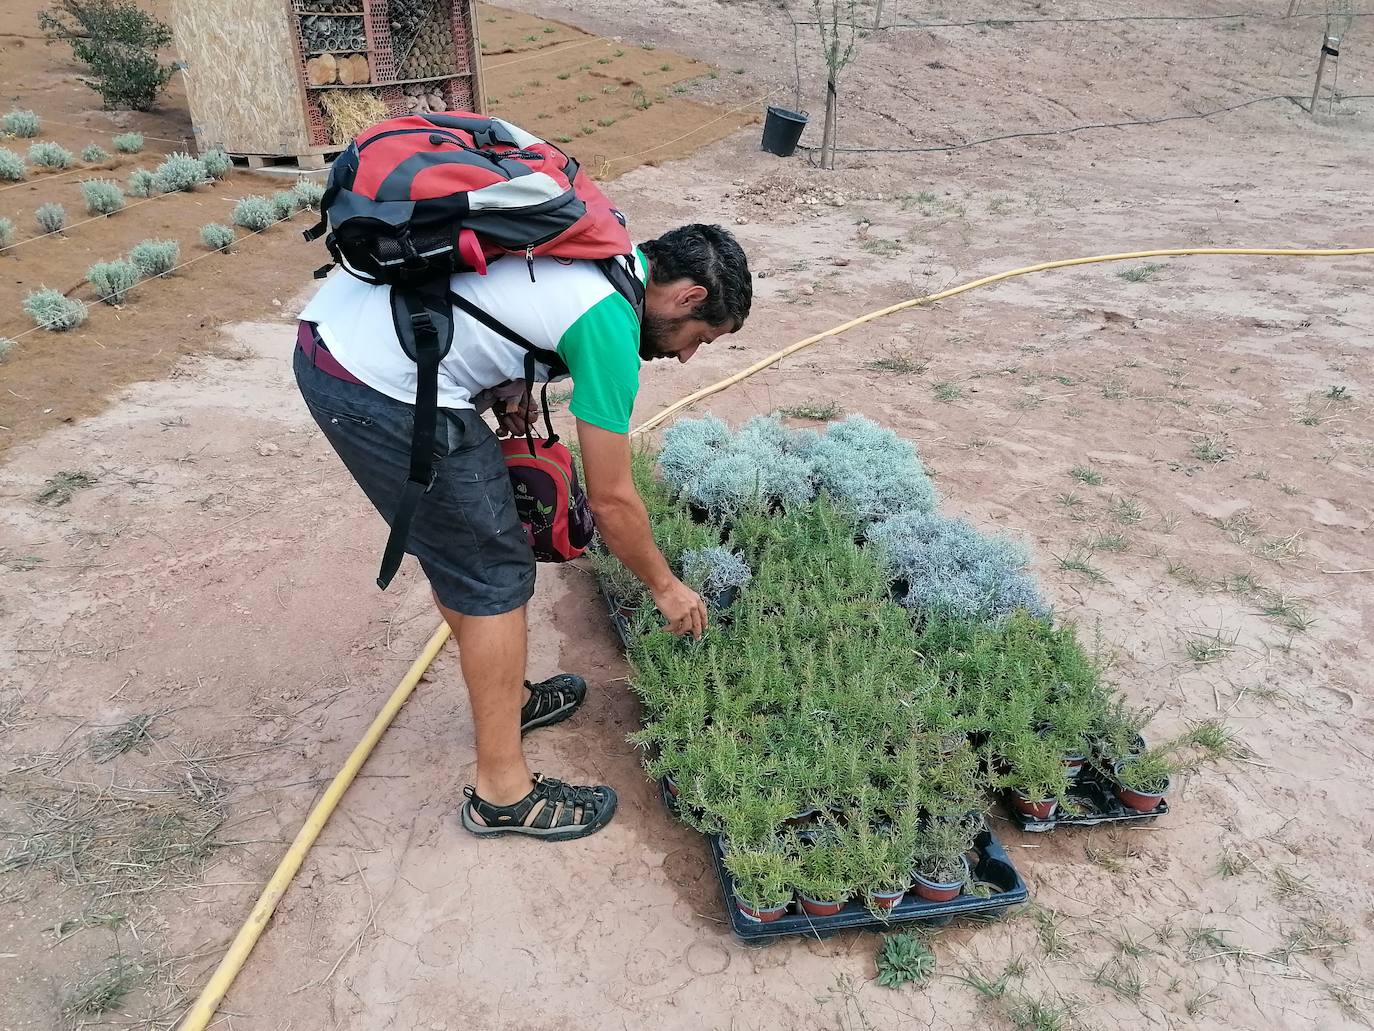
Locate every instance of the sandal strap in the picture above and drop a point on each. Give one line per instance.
(561, 802)
(549, 696)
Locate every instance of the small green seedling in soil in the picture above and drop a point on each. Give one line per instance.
(94, 154)
(1069, 499)
(1338, 394)
(588, 130)
(947, 392)
(904, 959)
(582, 98)
(1086, 474)
(1074, 563)
(59, 488)
(1126, 510)
(564, 76)
(1203, 941)
(562, 139)
(1211, 449)
(1140, 273)
(102, 991)
(1287, 612)
(980, 984)
(6, 346)
(1122, 978)
(641, 101)
(1204, 648)
(131, 734)
(1232, 862)
(1049, 928)
(899, 361)
(820, 411)
(6, 233)
(603, 60)
(1032, 1015)
(1289, 489)
(1113, 540)
(605, 123)
(648, 46)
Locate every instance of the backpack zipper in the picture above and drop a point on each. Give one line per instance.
(408, 132)
(529, 260)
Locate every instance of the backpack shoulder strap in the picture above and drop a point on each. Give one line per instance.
(424, 326)
(620, 273)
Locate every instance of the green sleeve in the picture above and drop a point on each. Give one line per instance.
(601, 350)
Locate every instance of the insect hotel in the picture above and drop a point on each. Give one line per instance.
(297, 79)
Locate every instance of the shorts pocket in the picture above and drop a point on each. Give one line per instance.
(336, 412)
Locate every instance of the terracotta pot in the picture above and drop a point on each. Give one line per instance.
(939, 891)
(1140, 801)
(885, 901)
(1036, 810)
(813, 907)
(761, 916)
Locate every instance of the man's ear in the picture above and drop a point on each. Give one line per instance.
(690, 297)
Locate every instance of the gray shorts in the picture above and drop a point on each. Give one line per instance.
(466, 532)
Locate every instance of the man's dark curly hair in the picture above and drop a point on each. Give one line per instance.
(710, 257)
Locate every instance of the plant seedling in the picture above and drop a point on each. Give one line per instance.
(947, 392)
(1211, 449)
(1087, 475)
(903, 959)
(1140, 273)
(217, 237)
(818, 411)
(51, 218)
(1148, 773)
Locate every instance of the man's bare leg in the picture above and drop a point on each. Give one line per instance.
(491, 650)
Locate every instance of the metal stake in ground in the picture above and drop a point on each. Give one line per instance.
(1338, 19)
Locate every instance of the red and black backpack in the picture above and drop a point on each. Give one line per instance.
(414, 200)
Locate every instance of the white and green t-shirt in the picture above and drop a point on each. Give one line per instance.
(570, 307)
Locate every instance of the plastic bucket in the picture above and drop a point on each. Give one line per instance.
(781, 130)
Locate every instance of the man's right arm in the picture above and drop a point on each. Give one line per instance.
(624, 525)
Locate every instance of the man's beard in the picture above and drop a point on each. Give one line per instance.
(654, 331)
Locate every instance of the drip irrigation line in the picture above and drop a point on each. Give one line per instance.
(693, 132)
(203, 1011)
(115, 132)
(189, 261)
(545, 52)
(996, 22)
(94, 218)
(44, 179)
(1300, 102)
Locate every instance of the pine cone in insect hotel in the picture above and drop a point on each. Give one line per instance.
(432, 53)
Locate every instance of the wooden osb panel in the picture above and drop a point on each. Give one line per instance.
(242, 81)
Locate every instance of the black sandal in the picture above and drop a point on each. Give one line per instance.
(564, 811)
(552, 701)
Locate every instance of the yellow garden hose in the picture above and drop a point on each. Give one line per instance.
(215, 989)
(248, 935)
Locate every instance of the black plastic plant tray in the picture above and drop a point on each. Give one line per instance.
(621, 624)
(992, 867)
(1095, 802)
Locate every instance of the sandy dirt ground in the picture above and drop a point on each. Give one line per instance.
(213, 570)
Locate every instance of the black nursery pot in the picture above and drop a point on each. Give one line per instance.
(722, 600)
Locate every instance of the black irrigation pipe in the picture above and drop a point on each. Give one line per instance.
(997, 22)
(1298, 101)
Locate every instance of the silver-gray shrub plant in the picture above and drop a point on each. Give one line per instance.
(113, 280)
(217, 163)
(217, 237)
(129, 142)
(102, 196)
(155, 257)
(142, 183)
(254, 213)
(51, 155)
(951, 569)
(715, 570)
(180, 172)
(12, 167)
(50, 217)
(23, 124)
(53, 311)
(870, 471)
(94, 154)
